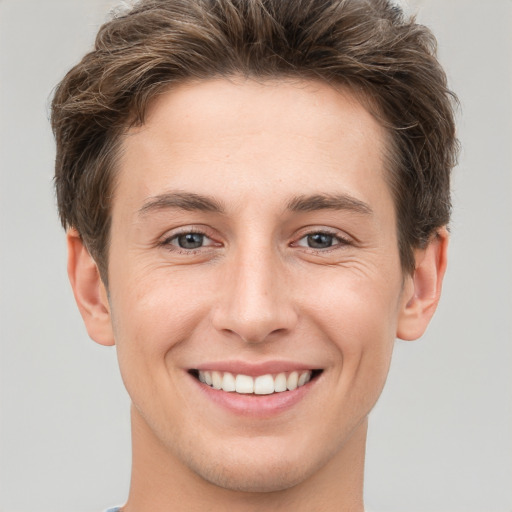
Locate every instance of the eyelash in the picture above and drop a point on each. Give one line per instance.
(169, 245)
(338, 241)
(167, 242)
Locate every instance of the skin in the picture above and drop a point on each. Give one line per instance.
(254, 292)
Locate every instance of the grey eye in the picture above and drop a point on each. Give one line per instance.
(320, 240)
(190, 240)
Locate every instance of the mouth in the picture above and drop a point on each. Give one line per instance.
(266, 384)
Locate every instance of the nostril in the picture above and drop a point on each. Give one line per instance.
(255, 314)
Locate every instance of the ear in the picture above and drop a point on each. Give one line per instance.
(422, 290)
(89, 290)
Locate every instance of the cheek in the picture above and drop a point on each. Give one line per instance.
(359, 317)
(152, 315)
(151, 325)
(357, 309)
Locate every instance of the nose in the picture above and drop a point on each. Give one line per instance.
(256, 302)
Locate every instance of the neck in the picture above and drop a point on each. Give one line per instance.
(162, 483)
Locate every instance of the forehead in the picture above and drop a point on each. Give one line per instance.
(240, 138)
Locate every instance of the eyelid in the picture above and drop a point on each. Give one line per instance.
(342, 239)
(171, 239)
(171, 235)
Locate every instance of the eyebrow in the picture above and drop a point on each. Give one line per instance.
(328, 202)
(190, 201)
(182, 201)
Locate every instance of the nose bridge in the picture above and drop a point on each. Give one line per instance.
(255, 303)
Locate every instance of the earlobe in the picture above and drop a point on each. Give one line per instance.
(423, 289)
(89, 290)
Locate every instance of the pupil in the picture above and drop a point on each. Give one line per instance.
(190, 240)
(320, 240)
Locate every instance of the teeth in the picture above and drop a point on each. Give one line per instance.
(280, 383)
(228, 382)
(244, 384)
(261, 385)
(216, 380)
(304, 377)
(264, 385)
(292, 381)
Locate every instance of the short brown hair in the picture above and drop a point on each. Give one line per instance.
(368, 45)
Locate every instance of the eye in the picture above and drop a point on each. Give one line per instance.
(189, 241)
(321, 240)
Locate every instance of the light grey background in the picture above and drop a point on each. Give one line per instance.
(440, 437)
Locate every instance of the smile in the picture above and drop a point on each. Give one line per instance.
(259, 385)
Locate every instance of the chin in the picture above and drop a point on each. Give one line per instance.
(265, 466)
(263, 477)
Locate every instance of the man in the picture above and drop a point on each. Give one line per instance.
(256, 195)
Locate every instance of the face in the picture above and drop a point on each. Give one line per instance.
(254, 247)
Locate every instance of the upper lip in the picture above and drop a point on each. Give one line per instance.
(254, 369)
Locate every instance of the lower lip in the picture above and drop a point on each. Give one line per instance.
(255, 405)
